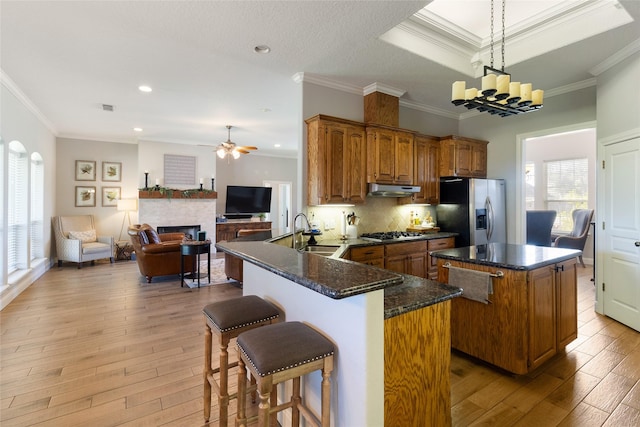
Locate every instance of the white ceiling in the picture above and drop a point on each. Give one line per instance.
(70, 57)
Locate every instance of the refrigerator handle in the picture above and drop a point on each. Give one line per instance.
(490, 218)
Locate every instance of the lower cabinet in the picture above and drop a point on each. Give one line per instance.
(532, 316)
(370, 255)
(436, 245)
(407, 258)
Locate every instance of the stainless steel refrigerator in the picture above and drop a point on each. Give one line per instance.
(474, 208)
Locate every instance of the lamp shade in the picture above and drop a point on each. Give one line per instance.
(127, 205)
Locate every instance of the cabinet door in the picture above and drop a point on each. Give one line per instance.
(336, 158)
(463, 158)
(356, 150)
(426, 171)
(417, 264)
(403, 158)
(479, 160)
(542, 316)
(396, 263)
(381, 157)
(567, 303)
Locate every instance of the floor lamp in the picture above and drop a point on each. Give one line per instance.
(126, 205)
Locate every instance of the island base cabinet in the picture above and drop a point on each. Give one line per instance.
(417, 363)
(532, 315)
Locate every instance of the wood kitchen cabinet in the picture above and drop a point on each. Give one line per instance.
(336, 161)
(531, 317)
(389, 156)
(436, 245)
(426, 171)
(408, 258)
(370, 255)
(463, 157)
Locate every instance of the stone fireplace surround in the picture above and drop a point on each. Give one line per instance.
(179, 212)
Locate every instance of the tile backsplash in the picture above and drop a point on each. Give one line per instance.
(378, 214)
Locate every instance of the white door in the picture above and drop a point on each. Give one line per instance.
(621, 245)
(280, 215)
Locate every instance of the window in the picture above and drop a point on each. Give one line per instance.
(567, 189)
(37, 207)
(17, 213)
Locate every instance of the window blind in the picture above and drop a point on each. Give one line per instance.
(37, 207)
(17, 208)
(567, 184)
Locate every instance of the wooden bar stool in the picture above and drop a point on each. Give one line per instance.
(227, 319)
(277, 353)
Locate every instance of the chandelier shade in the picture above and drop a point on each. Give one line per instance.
(498, 95)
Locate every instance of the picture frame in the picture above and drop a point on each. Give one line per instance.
(110, 196)
(112, 171)
(85, 196)
(85, 170)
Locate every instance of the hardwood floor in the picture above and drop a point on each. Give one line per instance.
(101, 347)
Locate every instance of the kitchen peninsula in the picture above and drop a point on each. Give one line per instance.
(391, 331)
(532, 312)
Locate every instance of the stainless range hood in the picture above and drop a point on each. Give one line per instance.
(386, 190)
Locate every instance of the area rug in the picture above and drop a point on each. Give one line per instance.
(217, 274)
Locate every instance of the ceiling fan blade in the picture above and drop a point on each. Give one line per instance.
(249, 147)
(242, 150)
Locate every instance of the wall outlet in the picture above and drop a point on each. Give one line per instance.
(329, 224)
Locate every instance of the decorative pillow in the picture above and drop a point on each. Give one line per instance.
(152, 235)
(84, 236)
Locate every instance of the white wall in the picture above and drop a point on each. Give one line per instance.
(108, 219)
(19, 123)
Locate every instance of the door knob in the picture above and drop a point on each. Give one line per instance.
(637, 244)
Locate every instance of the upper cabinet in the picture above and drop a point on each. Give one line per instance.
(336, 161)
(389, 156)
(426, 170)
(463, 157)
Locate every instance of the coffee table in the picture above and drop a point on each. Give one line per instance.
(191, 248)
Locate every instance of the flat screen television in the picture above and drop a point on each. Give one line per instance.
(243, 200)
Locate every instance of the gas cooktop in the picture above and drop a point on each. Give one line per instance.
(391, 235)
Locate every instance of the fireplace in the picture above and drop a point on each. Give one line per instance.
(190, 231)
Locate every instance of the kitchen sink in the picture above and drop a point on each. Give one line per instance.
(321, 250)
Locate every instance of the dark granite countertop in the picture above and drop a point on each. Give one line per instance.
(508, 256)
(402, 293)
(322, 274)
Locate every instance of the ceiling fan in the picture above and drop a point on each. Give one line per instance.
(229, 148)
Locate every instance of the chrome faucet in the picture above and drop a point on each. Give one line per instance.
(293, 244)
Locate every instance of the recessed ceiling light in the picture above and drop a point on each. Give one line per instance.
(137, 129)
(276, 145)
(263, 48)
(144, 88)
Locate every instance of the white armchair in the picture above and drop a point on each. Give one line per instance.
(77, 240)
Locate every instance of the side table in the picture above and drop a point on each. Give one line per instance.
(195, 247)
(123, 249)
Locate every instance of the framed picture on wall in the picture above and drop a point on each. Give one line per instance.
(85, 170)
(110, 196)
(85, 196)
(111, 171)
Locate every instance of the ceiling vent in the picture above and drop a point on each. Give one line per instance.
(107, 107)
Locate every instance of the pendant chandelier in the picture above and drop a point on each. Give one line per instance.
(498, 94)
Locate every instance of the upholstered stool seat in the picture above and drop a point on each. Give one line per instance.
(277, 353)
(227, 319)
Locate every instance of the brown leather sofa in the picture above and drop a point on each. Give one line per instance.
(158, 254)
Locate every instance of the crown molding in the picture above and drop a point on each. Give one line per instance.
(303, 77)
(12, 87)
(624, 53)
(428, 109)
(380, 87)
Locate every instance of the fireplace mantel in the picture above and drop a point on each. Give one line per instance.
(177, 194)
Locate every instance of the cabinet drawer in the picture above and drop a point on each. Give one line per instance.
(436, 244)
(367, 252)
(405, 248)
